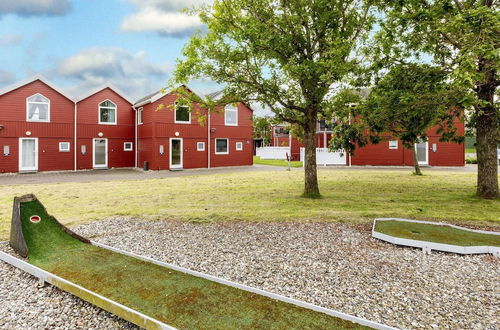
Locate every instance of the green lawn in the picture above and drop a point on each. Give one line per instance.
(470, 150)
(275, 162)
(436, 234)
(354, 196)
(178, 299)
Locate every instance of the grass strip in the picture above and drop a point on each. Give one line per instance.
(275, 162)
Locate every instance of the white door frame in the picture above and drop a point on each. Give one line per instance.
(105, 153)
(35, 168)
(170, 153)
(426, 153)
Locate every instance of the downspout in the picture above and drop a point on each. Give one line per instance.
(75, 146)
(209, 138)
(135, 137)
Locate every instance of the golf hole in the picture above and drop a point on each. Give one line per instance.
(35, 219)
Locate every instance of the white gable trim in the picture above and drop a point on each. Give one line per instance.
(102, 87)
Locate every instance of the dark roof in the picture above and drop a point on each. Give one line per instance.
(147, 97)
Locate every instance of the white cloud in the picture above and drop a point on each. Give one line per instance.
(10, 39)
(163, 17)
(6, 78)
(132, 73)
(35, 7)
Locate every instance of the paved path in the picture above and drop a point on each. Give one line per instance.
(134, 174)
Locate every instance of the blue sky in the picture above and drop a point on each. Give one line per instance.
(81, 44)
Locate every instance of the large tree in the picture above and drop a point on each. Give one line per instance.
(408, 101)
(462, 36)
(284, 54)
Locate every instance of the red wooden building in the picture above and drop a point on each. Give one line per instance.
(173, 138)
(387, 153)
(42, 128)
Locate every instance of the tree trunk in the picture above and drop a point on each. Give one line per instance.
(487, 131)
(311, 189)
(415, 160)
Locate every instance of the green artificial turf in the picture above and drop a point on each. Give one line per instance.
(178, 299)
(435, 233)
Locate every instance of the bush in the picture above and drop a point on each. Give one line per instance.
(471, 160)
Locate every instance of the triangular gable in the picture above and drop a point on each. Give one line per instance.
(32, 79)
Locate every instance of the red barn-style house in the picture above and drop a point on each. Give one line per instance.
(42, 128)
(386, 153)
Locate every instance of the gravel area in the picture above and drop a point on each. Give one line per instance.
(332, 265)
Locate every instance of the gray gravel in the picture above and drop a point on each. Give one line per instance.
(331, 265)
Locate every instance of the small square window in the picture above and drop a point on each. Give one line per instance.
(64, 146)
(200, 146)
(221, 146)
(239, 146)
(6, 150)
(393, 144)
(128, 146)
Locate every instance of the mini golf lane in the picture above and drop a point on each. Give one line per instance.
(169, 296)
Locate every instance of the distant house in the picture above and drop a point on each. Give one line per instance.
(42, 128)
(387, 153)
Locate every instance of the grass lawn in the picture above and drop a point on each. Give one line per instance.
(470, 150)
(275, 162)
(436, 234)
(354, 196)
(178, 299)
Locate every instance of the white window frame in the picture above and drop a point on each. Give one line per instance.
(227, 144)
(392, 146)
(181, 121)
(35, 168)
(6, 150)
(28, 109)
(230, 108)
(64, 150)
(139, 116)
(198, 146)
(240, 148)
(99, 107)
(125, 148)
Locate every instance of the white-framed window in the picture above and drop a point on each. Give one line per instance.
(231, 115)
(182, 114)
(107, 113)
(64, 146)
(6, 150)
(239, 146)
(38, 108)
(128, 146)
(221, 146)
(200, 146)
(139, 116)
(393, 144)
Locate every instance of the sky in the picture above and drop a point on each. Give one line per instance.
(80, 45)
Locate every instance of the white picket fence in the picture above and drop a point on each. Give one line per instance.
(272, 152)
(325, 157)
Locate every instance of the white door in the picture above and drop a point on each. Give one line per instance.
(175, 153)
(28, 154)
(422, 149)
(100, 155)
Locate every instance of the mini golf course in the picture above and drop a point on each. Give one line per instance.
(168, 296)
(436, 236)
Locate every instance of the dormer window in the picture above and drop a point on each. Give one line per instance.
(182, 114)
(231, 115)
(38, 108)
(107, 113)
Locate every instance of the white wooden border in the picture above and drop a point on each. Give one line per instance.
(98, 300)
(429, 246)
(53, 279)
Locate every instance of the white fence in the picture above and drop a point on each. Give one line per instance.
(325, 157)
(272, 152)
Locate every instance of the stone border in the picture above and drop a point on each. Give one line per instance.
(427, 247)
(151, 323)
